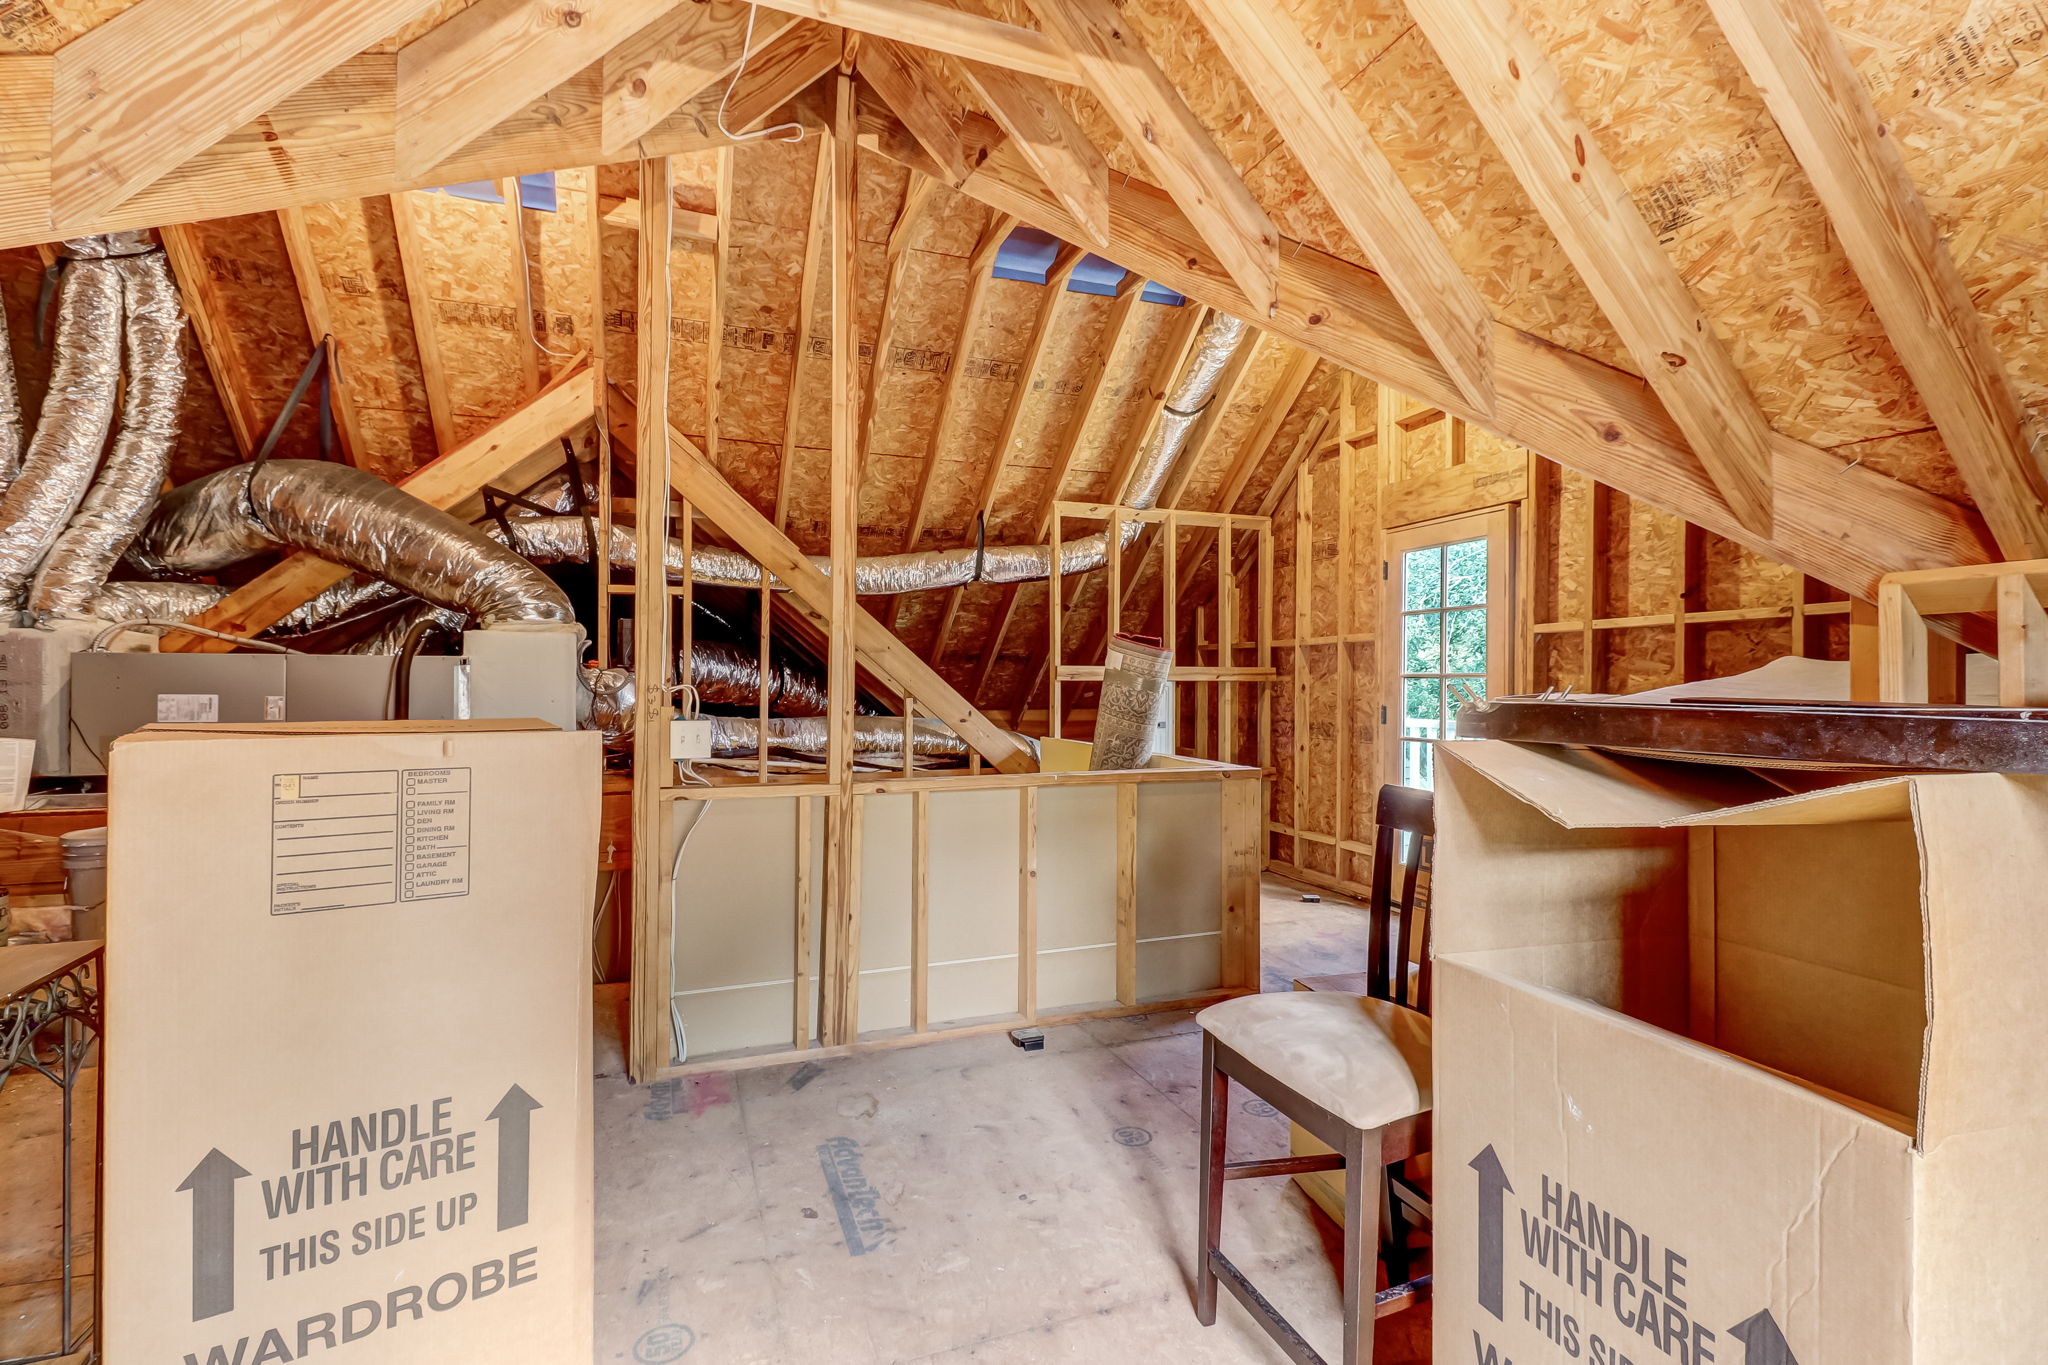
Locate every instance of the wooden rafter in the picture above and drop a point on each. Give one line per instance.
(1056, 279)
(1229, 389)
(319, 311)
(1173, 357)
(1821, 105)
(1114, 329)
(1521, 102)
(216, 338)
(1051, 141)
(157, 83)
(978, 266)
(1561, 405)
(320, 145)
(1332, 144)
(778, 71)
(1305, 447)
(1132, 559)
(669, 62)
(911, 84)
(527, 343)
(958, 33)
(1158, 124)
(475, 69)
(1286, 390)
(412, 261)
(917, 201)
(806, 311)
(516, 450)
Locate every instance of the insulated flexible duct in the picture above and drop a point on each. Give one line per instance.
(351, 517)
(739, 736)
(155, 601)
(564, 538)
(10, 406)
(127, 485)
(77, 410)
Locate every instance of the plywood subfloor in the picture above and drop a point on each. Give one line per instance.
(998, 1206)
(1017, 1207)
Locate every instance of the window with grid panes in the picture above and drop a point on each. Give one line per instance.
(1443, 646)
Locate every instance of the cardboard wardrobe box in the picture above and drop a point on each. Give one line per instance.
(1729, 1075)
(348, 1084)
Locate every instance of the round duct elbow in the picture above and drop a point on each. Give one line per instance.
(350, 517)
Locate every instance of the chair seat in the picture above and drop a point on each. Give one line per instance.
(1364, 1060)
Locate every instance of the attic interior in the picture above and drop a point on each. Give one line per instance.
(1251, 594)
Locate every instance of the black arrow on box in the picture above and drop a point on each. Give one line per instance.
(212, 1184)
(514, 1117)
(1763, 1340)
(1493, 1187)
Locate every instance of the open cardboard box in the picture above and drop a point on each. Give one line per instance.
(1726, 1075)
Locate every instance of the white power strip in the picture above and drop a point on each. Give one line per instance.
(689, 740)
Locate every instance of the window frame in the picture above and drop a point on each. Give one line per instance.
(1496, 527)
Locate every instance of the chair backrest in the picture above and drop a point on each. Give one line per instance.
(1399, 965)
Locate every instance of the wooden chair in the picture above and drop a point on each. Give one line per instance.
(1353, 1070)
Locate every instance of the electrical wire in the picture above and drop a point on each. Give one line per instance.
(99, 641)
(679, 1039)
(526, 280)
(746, 49)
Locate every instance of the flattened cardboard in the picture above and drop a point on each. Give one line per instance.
(1840, 1164)
(348, 1098)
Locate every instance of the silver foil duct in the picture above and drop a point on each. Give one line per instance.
(561, 538)
(727, 675)
(156, 601)
(77, 411)
(10, 408)
(739, 736)
(389, 637)
(611, 702)
(351, 594)
(351, 517)
(1192, 389)
(126, 488)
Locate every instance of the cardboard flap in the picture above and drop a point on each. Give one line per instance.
(1884, 798)
(301, 729)
(1585, 789)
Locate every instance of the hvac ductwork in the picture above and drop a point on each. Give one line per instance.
(127, 485)
(10, 406)
(351, 517)
(873, 736)
(560, 539)
(77, 412)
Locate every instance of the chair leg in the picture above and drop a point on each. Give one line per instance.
(1364, 1182)
(1393, 1229)
(1215, 1127)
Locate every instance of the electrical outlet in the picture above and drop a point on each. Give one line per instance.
(689, 740)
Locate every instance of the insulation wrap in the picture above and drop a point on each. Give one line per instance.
(10, 406)
(726, 675)
(77, 412)
(157, 601)
(351, 517)
(873, 736)
(389, 637)
(126, 488)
